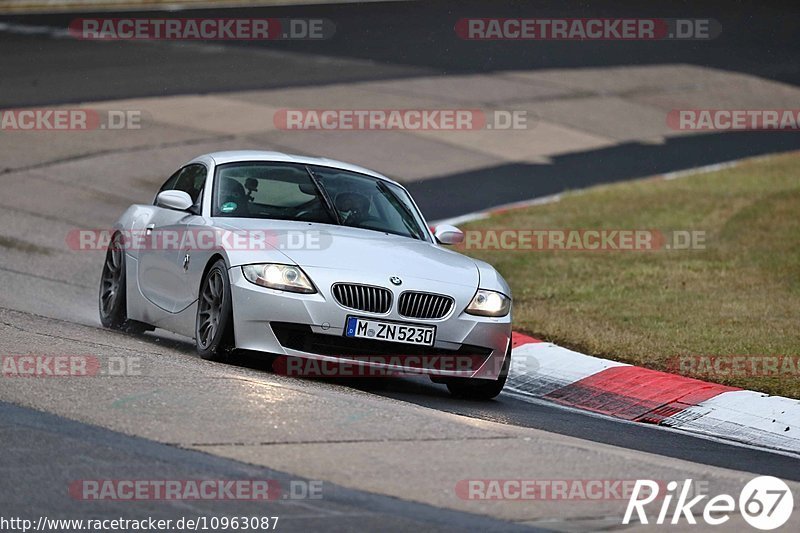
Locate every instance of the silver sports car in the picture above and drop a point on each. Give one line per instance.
(311, 260)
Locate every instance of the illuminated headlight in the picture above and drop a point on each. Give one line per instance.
(489, 303)
(282, 277)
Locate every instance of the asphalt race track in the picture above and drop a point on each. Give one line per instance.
(32, 437)
(389, 452)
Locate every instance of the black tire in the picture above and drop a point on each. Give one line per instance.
(112, 300)
(481, 389)
(213, 330)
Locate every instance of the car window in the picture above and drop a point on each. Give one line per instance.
(370, 203)
(277, 193)
(190, 179)
(292, 191)
(267, 190)
(169, 184)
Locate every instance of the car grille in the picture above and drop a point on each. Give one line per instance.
(363, 297)
(424, 305)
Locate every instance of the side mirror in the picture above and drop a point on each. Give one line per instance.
(179, 200)
(447, 234)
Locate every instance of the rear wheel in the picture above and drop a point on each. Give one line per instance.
(480, 389)
(214, 325)
(112, 299)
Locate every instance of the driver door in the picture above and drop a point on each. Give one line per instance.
(161, 273)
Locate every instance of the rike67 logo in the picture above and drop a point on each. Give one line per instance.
(765, 503)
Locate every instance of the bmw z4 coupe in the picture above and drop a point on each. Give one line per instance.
(311, 259)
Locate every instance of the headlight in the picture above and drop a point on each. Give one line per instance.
(282, 277)
(489, 303)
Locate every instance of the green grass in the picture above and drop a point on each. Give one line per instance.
(738, 296)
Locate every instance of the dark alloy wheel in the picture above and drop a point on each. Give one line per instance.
(214, 326)
(112, 299)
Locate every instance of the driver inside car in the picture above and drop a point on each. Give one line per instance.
(353, 207)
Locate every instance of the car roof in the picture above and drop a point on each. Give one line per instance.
(233, 156)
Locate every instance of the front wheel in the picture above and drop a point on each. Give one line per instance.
(214, 325)
(481, 389)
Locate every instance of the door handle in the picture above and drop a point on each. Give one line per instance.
(149, 229)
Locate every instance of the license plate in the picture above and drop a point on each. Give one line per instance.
(363, 328)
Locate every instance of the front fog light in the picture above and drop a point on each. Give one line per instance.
(489, 303)
(282, 277)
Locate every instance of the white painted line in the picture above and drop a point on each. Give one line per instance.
(485, 214)
(713, 168)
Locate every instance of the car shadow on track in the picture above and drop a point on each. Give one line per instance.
(409, 385)
(413, 388)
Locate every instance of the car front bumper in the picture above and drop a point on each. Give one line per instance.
(311, 326)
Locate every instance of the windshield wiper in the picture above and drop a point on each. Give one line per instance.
(413, 228)
(326, 200)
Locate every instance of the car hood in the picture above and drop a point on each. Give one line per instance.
(353, 249)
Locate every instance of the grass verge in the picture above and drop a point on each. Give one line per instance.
(728, 312)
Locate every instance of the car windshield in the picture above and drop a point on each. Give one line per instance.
(312, 193)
